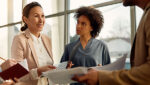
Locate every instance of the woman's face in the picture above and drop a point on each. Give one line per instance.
(83, 26)
(35, 20)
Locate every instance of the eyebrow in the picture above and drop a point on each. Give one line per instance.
(38, 13)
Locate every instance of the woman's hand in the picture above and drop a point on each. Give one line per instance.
(8, 63)
(44, 69)
(69, 65)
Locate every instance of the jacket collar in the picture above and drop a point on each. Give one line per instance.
(30, 42)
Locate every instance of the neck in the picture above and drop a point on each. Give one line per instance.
(37, 34)
(85, 38)
(142, 3)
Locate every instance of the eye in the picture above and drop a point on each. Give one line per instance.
(43, 16)
(83, 24)
(35, 15)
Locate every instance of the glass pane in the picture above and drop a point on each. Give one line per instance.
(6, 38)
(116, 31)
(50, 6)
(139, 13)
(78, 3)
(55, 27)
(3, 43)
(72, 27)
(17, 11)
(3, 16)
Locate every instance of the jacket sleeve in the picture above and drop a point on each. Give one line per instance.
(17, 49)
(17, 53)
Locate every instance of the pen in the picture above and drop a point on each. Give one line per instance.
(2, 59)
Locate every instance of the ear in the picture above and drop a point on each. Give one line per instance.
(25, 19)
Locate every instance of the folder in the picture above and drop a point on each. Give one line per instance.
(16, 71)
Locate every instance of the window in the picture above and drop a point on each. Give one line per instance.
(54, 27)
(3, 43)
(50, 6)
(60, 16)
(74, 4)
(116, 32)
(17, 10)
(6, 38)
(4, 9)
(139, 13)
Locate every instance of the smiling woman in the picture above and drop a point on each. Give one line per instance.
(32, 44)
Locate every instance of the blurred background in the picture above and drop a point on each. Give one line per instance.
(118, 32)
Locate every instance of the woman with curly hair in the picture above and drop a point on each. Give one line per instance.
(87, 51)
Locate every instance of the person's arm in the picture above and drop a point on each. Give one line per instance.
(17, 48)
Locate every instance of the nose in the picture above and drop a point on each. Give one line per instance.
(41, 19)
(78, 25)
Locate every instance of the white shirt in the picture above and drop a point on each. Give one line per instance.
(42, 54)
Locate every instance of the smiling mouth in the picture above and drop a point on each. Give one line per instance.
(39, 24)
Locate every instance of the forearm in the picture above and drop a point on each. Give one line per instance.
(137, 75)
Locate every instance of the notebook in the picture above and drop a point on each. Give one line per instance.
(16, 71)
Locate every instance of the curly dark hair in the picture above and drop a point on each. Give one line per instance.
(26, 11)
(95, 17)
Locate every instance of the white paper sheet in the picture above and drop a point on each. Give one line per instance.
(63, 76)
(117, 65)
(62, 65)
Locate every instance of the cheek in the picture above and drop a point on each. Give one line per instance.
(44, 21)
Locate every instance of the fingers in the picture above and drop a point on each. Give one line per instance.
(99, 64)
(16, 79)
(8, 63)
(81, 79)
(91, 70)
(8, 82)
(51, 67)
(69, 65)
(11, 62)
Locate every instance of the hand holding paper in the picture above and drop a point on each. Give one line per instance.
(92, 76)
